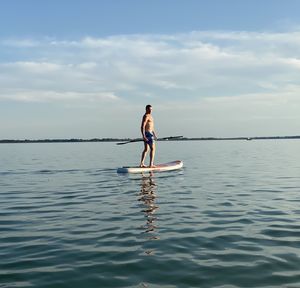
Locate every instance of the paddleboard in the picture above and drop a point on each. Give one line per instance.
(160, 167)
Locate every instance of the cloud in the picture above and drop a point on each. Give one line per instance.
(53, 96)
(32, 67)
(181, 67)
(202, 83)
(20, 43)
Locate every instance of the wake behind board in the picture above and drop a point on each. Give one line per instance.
(160, 167)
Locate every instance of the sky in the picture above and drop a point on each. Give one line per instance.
(209, 68)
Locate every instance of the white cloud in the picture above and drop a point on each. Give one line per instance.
(54, 96)
(32, 67)
(21, 43)
(234, 75)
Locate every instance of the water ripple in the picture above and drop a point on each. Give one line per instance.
(232, 221)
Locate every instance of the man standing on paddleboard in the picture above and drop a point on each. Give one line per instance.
(149, 136)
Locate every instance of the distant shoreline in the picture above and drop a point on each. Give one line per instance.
(75, 140)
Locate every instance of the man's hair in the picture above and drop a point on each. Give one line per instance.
(148, 106)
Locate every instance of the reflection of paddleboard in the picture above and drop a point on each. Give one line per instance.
(160, 167)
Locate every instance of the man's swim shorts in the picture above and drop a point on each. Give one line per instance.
(150, 137)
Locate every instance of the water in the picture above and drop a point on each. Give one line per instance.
(230, 218)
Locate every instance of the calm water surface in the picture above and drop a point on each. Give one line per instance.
(230, 218)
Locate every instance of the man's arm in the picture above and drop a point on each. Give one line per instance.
(143, 125)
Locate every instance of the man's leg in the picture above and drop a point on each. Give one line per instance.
(146, 148)
(152, 154)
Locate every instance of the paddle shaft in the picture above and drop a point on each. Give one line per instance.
(140, 139)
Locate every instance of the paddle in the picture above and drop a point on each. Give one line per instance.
(140, 139)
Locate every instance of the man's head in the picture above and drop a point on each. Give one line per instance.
(148, 109)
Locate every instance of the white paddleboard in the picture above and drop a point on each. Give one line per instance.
(160, 167)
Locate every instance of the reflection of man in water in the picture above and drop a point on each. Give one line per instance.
(148, 196)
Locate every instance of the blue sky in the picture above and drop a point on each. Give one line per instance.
(86, 69)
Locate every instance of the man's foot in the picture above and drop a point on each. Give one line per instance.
(142, 165)
(152, 166)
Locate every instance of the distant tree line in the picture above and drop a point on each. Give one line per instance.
(60, 140)
(74, 140)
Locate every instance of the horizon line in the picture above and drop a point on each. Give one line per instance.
(113, 139)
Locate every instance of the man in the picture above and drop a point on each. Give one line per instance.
(148, 133)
